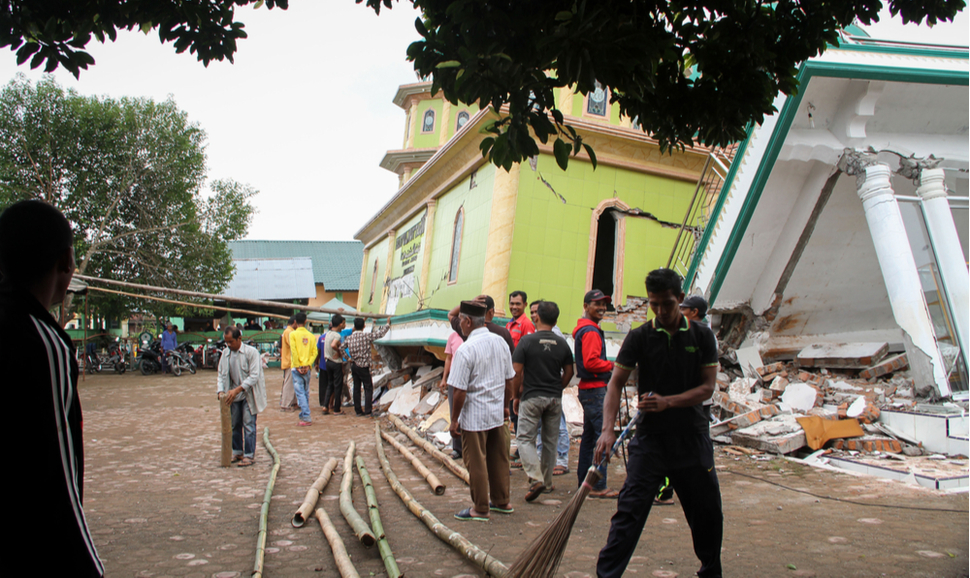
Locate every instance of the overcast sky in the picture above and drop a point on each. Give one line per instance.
(305, 113)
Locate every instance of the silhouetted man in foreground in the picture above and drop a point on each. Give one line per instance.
(36, 265)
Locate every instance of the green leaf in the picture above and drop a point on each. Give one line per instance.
(146, 27)
(564, 15)
(448, 64)
(259, 4)
(561, 150)
(791, 567)
(592, 155)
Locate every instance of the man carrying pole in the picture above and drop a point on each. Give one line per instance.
(241, 386)
(677, 359)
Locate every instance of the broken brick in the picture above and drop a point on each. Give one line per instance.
(889, 365)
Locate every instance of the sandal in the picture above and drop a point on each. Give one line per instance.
(466, 515)
(535, 490)
(495, 508)
(606, 494)
(515, 465)
(560, 470)
(245, 462)
(659, 502)
(235, 459)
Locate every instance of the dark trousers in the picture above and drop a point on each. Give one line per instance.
(592, 402)
(362, 377)
(334, 385)
(688, 460)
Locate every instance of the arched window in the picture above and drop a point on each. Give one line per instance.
(373, 283)
(607, 249)
(597, 103)
(456, 246)
(462, 119)
(427, 125)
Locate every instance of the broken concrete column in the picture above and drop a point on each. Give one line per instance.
(900, 274)
(949, 255)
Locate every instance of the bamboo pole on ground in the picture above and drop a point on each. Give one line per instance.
(264, 511)
(340, 556)
(479, 557)
(313, 494)
(390, 564)
(427, 446)
(432, 479)
(361, 530)
(226, 422)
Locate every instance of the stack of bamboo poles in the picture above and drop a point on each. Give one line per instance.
(264, 510)
(483, 559)
(429, 447)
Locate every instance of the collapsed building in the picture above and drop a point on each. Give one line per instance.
(831, 244)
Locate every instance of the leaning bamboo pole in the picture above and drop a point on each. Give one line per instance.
(429, 477)
(390, 564)
(427, 446)
(313, 494)
(361, 530)
(197, 294)
(188, 304)
(340, 556)
(479, 557)
(264, 511)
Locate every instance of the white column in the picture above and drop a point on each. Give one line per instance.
(901, 277)
(949, 255)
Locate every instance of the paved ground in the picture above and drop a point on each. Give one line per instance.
(159, 504)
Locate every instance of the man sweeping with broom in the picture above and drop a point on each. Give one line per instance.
(677, 359)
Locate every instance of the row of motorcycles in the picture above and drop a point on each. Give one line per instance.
(149, 359)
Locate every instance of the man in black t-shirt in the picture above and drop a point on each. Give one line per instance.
(677, 361)
(543, 364)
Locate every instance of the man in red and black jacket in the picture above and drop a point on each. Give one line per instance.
(594, 370)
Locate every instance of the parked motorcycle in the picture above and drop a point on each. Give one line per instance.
(211, 352)
(117, 357)
(179, 361)
(92, 363)
(149, 359)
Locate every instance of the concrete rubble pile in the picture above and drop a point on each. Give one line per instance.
(832, 404)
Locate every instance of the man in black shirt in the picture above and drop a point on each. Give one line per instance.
(677, 359)
(543, 361)
(36, 266)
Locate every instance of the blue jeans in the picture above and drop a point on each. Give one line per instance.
(592, 402)
(562, 448)
(243, 428)
(301, 387)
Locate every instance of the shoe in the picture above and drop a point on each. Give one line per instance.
(305, 423)
(466, 515)
(659, 502)
(495, 508)
(456, 455)
(325, 412)
(549, 490)
(535, 490)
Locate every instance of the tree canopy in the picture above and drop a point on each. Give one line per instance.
(128, 175)
(688, 72)
(54, 32)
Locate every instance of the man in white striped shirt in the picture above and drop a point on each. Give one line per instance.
(36, 266)
(481, 374)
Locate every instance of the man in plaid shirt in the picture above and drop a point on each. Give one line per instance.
(358, 345)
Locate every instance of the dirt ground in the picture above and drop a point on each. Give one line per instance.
(159, 504)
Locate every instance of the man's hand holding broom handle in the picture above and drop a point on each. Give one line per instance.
(598, 470)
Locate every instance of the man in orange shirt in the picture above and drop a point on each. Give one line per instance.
(287, 396)
(520, 325)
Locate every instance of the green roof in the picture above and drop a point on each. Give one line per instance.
(336, 264)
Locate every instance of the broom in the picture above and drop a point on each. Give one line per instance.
(541, 559)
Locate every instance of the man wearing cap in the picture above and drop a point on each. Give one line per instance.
(489, 314)
(593, 369)
(481, 373)
(677, 362)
